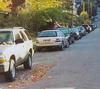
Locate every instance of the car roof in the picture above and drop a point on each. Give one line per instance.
(50, 30)
(63, 28)
(13, 29)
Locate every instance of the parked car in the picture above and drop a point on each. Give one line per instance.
(68, 34)
(93, 26)
(51, 39)
(76, 32)
(82, 31)
(87, 28)
(16, 48)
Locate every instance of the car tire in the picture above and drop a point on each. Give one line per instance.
(10, 75)
(84, 34)
(28, 63)
(61, 48)
(70, 42)
(73, 40)
(67, 45)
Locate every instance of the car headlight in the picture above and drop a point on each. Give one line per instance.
(2, 58)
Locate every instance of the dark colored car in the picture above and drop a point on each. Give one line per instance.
(93, 26)
(87, 28)
(76, 33)
(82, 31)
(68, 33)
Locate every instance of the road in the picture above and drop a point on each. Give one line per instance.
(77, 67)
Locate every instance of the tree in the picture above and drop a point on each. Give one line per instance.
(90, 7)
(5, 6)
(36, 5)
(15, 5)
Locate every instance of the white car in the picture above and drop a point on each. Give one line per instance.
(16, 48)
(51, 39)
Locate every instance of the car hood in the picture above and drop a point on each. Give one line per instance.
(3, 48)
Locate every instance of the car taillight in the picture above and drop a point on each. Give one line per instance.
(58, 40)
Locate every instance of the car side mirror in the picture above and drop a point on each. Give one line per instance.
(17, 41)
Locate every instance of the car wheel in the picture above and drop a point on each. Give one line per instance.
(78, 37)
(73, 40)
(84, 34)
(70, 42)
(10, 75)
(67, 45)
(62, 47)
(28, 63)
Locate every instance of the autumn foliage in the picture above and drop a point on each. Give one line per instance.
(35, 14)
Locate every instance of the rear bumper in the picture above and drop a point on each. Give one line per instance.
(49, 45)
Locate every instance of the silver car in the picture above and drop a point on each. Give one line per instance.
(51, 39)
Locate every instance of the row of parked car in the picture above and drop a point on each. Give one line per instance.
(62, 37)
(16, 46)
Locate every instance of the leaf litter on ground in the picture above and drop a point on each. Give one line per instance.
(31, 76)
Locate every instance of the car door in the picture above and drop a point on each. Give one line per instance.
(26, 44)
(20, 51)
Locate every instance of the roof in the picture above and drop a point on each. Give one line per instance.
(49, 30)
(12, 29)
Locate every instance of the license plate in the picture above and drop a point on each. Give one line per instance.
(46, 41)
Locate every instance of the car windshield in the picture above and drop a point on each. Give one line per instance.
(47, 34)
(66, 32)
(84, 25)
(71, 31)
(76, 29)
(82, 28)
(6, 37)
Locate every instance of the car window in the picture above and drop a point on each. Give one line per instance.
(48, 34)
(28, 35)
(66, 32)
(17, 36)
(71, 30)
(6, 36)
(23, 36)
(61, 34)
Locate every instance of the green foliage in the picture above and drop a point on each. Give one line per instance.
(37, 15)
(33, 20)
